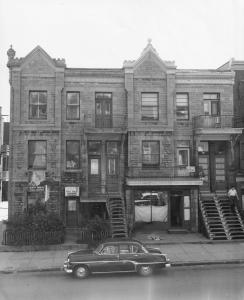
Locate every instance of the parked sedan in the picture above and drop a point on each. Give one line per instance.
(116, 256)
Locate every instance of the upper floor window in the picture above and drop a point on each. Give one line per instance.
(73, 106)
(103, 110)
(150, 153)
(38, 105)
(37, 154)
(211, 104)
(182, 106)
(72, 154)
(149, 106)
(183, 153)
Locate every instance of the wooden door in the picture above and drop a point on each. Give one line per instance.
(71, 212)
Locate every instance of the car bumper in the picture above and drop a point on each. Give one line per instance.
(67, 268)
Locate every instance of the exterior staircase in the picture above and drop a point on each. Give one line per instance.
(117, 217)
(220, 222)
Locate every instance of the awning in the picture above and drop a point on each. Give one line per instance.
(163, 181)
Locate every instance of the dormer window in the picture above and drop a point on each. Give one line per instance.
(38, 105)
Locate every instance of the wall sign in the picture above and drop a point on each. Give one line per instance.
(72, 191)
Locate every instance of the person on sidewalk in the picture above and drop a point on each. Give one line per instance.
(233, 197)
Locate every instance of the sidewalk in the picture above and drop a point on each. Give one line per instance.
(182, 250)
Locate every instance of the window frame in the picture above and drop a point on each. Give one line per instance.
(188, 107)
(45, 155)
(31, 117)
(151, 165)
(188, 156)
(112, 156)
(66, 156)
(146, 118)
(72, 105)
(210, 101)
(103, 120)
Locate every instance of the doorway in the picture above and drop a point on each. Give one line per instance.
(217, 165)
(71, 212)
(176, 210)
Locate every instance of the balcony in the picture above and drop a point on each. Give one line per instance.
(177, 175)
(214, 126)
(113, 123)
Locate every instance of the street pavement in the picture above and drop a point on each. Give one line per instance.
(182, 249)
(185, 253)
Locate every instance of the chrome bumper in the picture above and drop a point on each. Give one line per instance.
(67, 268)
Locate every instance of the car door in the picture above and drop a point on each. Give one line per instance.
(108, 259)
(129, 255)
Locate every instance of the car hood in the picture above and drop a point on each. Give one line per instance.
(154, 250)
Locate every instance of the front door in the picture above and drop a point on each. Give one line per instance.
(217, 168)
(71, 212)
(176, 210)
(94, 179)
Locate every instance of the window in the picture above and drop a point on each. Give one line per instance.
(37, 155)
(211, 104)
(112, 158)
(103, 110)
(149, 106)
(73, 106)
(94, 152)
(182, 107)
(183, 156)
(111, 249)
(150, 153)
(94, 166)
(38, 105)
(72, 154)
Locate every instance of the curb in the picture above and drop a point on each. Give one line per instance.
(173, 264)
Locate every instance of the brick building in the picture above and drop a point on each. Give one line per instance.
(237, 66)
(148, 133)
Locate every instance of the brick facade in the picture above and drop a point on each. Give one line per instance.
(149, 74)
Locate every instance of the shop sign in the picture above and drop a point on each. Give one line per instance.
(72, 191)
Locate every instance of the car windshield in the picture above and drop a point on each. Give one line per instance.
(98, 249)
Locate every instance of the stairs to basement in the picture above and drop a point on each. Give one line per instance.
(221, 223)
(117, 217)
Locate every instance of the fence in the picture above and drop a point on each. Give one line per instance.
(93, 235)
(18, 238)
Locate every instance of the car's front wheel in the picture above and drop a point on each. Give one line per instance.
(81, 272)
(145, 270)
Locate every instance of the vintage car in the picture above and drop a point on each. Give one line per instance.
(116, 256)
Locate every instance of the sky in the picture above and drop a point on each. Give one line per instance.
(196, 34)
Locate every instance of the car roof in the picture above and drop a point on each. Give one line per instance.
(120, 241)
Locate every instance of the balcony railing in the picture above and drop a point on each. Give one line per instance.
(114, 121)
(223, 121)
(162, 172)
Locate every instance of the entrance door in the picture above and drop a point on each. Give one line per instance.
(71, 212)
(94, 179)
(217, 166)
(176, 210)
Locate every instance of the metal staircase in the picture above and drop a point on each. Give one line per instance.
(220, 222)
(117, 217)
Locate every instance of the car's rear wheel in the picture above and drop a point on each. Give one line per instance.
(81, 272)
(145, 270)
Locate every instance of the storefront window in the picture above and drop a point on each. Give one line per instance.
(151, 206)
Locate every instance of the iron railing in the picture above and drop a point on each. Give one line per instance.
(221, 121)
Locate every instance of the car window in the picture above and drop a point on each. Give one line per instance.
(124, 249)
(110, 249)
(134, 248)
